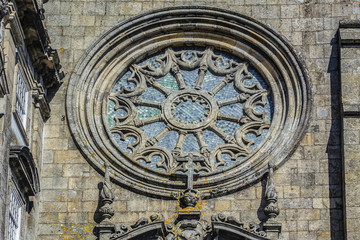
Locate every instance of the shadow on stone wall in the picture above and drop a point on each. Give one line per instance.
(334, 146)
(260, 212)
(97, 215)
(52, 91)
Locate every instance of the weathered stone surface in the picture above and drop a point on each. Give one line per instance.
(53, 207)
(305, 183)
(349, 38)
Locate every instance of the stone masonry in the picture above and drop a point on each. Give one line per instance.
(309, 183)
(349, 58)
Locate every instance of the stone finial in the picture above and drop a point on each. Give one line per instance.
(271, 227)
(271, 196)
(106, 197)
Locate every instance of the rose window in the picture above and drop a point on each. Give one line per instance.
(188, 93)
(189, 101)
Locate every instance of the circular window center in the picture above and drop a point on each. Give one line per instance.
(190, 109)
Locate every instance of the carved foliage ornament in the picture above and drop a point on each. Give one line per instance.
(230, 92)
(220, 227)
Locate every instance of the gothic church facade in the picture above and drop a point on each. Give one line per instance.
(180, 119)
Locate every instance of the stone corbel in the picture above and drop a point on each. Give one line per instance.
(40, 100)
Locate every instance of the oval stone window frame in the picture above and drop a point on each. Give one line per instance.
(134, 40)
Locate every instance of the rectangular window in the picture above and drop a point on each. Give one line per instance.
(21, 98)
(14, 216)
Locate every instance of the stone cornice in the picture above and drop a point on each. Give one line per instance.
(349, 24)
(349, 32)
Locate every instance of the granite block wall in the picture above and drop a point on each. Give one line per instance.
(309, 183)
(349, 57)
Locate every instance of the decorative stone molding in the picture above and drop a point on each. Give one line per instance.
(204, 31)
(234, 229)
(349, 40)
(25, 171)
(187, 226)
(14, 24)
(271, 196)
(189, 198)
(40, 100)
(349, 32)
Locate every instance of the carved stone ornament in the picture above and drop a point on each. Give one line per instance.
(271, 196)
(24, 170)
(187, 226)
(227, 228)
(106, 198)
(271, 226)
(183, 83)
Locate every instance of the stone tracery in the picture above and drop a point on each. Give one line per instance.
(193, 71)
(188, 109)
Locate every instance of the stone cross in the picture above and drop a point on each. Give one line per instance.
(190, 159)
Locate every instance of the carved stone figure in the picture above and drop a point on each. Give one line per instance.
(271, 196)
(189, 230)
(106, 197)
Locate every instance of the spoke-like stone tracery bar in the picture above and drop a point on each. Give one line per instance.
(188, 109)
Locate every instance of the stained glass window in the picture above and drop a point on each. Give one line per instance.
(190, 101)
